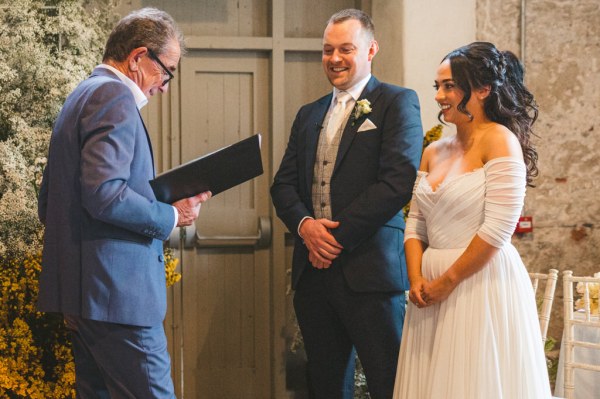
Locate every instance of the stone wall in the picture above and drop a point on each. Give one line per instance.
(562, 62)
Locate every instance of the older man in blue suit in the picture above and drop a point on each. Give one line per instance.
(102, 264)
(348, 170)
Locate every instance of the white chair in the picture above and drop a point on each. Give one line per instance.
(587, 321)
(548, 298)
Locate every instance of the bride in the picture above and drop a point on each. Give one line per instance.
(471, 329)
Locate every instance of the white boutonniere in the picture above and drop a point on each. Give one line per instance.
(362, 107)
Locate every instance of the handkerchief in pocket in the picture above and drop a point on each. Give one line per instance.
(367, 125)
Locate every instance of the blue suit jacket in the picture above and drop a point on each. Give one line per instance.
(372, 180)
(102, 256)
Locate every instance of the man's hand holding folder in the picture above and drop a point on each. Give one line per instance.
(189, 208)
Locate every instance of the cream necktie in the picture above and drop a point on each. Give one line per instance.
(337, 115)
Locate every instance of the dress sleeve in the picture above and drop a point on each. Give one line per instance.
(416, 227)
(505, 193)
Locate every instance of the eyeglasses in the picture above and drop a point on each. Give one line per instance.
(167, 72)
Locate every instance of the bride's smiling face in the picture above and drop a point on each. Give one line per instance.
(448, 94)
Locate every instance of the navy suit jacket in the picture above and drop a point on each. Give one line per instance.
(102, 256)
(372, 180)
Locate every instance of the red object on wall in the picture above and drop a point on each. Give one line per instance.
(524, 225)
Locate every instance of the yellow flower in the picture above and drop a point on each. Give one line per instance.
(594, 292)
(171, 263)
(433, 134)
(35, 353)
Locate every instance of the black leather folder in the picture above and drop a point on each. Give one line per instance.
(215, 172)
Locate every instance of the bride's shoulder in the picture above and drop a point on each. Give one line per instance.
(495, 133)
(439, 145)
(433, 151)
(498, 141)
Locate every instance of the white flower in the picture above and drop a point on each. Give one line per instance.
(362, 107)
(41, 161)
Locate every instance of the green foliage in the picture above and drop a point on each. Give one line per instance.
(46, 49)
(551, 362)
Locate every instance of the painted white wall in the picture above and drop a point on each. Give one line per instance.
(431, 29)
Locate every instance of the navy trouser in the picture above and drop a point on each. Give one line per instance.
(118, 361)
(334, 321)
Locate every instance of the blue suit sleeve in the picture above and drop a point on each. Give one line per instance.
(108, 125)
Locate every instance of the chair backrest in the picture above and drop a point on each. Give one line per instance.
(547, 299)
(582, 318)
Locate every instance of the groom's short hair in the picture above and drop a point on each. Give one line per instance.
(352, 13)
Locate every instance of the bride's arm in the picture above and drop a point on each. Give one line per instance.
(414, 248)
(475, 257)
(416, 241)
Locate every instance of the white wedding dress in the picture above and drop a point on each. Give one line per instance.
(484, 340)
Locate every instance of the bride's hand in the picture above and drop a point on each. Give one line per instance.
(437, 290)
(414, 295)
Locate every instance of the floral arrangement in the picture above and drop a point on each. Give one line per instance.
(35, 355)
(46, 48)
(433, 134)
(362, 107)
(593, 290)
(171, 263)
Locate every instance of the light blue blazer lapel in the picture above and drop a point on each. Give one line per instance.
(313, 130)
(371, 92)
(110, 74)
(149, 144)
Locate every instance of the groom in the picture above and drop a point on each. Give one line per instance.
(348, 170)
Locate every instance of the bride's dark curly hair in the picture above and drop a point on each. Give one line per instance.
(510, 103)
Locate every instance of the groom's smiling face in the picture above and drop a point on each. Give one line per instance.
(347, 53)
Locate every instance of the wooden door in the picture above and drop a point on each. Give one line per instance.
(223, 306)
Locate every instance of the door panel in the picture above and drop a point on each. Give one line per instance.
(223, 298)
(217, 18)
